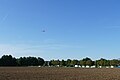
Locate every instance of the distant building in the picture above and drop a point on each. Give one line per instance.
(87, 66)
(92, 66)
(83, 66)
(107, 66)
(100, 67)
(79, 66)
(111, 66)
(76, 65)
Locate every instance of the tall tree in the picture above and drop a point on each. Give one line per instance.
(89, 62)
(55, 62)
(41, 61)
(8, 60)
(103, 62)
(114, 62)
(82, 63)
(62, 63)
(74, 62)
(68, 62)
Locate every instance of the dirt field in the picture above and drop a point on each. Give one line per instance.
(35, 73)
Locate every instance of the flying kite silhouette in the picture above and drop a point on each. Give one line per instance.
(43, 30)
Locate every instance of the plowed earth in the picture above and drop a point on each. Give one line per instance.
(36, 73)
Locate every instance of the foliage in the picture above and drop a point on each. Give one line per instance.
(8, 60)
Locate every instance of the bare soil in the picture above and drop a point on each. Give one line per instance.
(36, 73)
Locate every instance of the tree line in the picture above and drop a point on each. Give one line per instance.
(85, 62)
(8, 60)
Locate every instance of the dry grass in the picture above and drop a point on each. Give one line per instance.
(35, 73)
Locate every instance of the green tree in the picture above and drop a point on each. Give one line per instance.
(68, 62)
(55, 62)
(114, 62)
(89, 62)
(30, 61)
(62, 63)
(22, 61)
(86, 61)
(41, 61)
(103, 62)
(8, 60)
(74, 62)
(82, 63)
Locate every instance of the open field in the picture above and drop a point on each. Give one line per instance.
(35, 73)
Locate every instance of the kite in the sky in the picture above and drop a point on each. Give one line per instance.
(43, 30)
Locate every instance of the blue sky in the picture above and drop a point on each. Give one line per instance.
(74, 28)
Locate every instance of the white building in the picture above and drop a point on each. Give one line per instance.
(83, 66)
(79, 66)
(92, 66)
(107, 66)
(76, 65)
(100, 66)
(57, 65)
(111, 66)
(87, 66)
